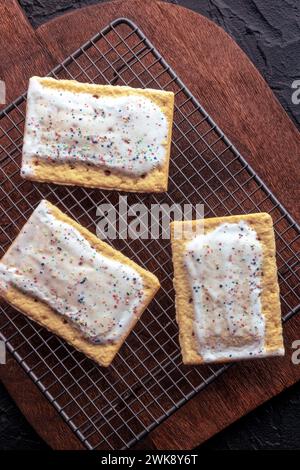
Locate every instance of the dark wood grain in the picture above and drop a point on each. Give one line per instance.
(206, 58)
(242, 104)
(21, 53)
(38, 411)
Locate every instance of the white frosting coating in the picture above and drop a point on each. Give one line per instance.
(224, 268)
(126, 134)
(53, 262)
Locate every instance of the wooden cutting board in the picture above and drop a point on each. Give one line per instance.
(224, 80)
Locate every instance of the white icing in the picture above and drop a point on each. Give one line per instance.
(51, 261)
(127, 134)
(224, 268)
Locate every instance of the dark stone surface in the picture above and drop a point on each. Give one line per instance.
(274, 425)
(15, 432)
(269, 33)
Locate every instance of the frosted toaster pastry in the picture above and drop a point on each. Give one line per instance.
(227, 294)
(63, 277)
(100, 136)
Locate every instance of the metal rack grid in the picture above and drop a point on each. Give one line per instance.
(115, 407)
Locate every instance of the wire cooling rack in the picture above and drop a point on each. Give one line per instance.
(113, 408)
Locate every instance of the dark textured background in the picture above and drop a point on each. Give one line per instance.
(269, 32)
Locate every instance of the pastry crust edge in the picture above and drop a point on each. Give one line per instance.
(40, 312)
(263, 225)
(80, 174)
